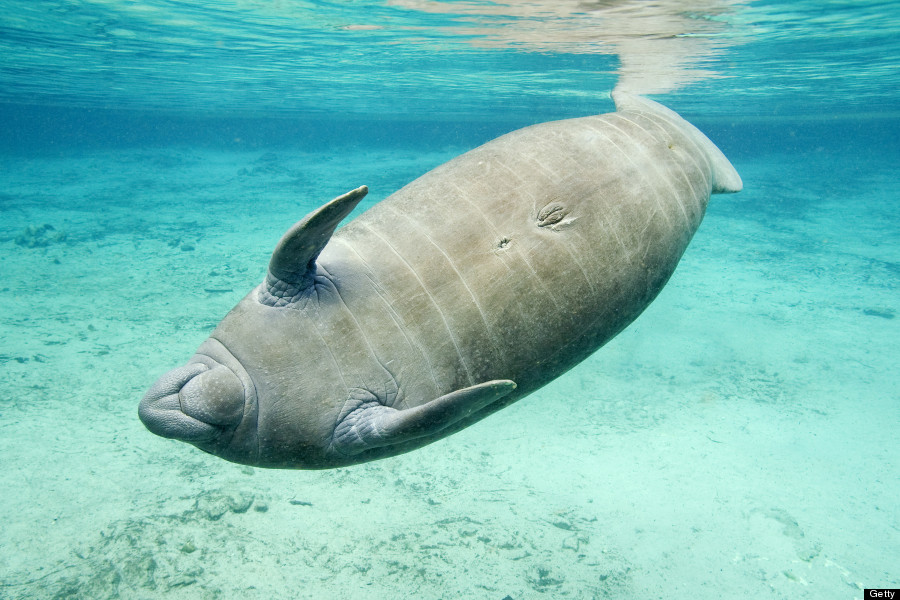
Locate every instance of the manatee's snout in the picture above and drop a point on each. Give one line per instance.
(194, 403)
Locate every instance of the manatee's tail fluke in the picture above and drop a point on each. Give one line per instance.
(293, 262)
(725, 178)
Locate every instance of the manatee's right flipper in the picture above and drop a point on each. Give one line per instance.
(366, 423)
(293, 263)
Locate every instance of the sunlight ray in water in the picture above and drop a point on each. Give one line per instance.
(382, 57)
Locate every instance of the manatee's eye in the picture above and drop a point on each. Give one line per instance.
(215, 397)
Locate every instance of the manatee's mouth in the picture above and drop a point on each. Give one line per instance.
(161, 409)
(203, 402)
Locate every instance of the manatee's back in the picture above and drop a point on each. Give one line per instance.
(520, 258)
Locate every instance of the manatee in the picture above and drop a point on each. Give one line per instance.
(468, 289)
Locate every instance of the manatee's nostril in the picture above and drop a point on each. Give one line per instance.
(215, 397)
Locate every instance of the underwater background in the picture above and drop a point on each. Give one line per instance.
(738, 440)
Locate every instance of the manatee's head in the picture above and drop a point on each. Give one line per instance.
(210, 402)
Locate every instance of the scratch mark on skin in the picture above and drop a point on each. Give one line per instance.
(465, 198)
(567, 242)
(515, 175)
(453, 339)
(569, 246)
(643, 151)
(421, 228)
(610, 227)
(705, 173)
(653, 118)
(393, 314)
(653, 165)
(625, 249)
(334, 359)
(359, 327)
(517, 248)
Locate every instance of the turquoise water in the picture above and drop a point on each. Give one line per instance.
(739, 438)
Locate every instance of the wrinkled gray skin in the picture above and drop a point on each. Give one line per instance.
(468, 289)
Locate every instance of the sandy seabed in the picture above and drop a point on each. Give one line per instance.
(738, 440)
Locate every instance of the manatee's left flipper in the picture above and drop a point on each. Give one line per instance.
(365, 423)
